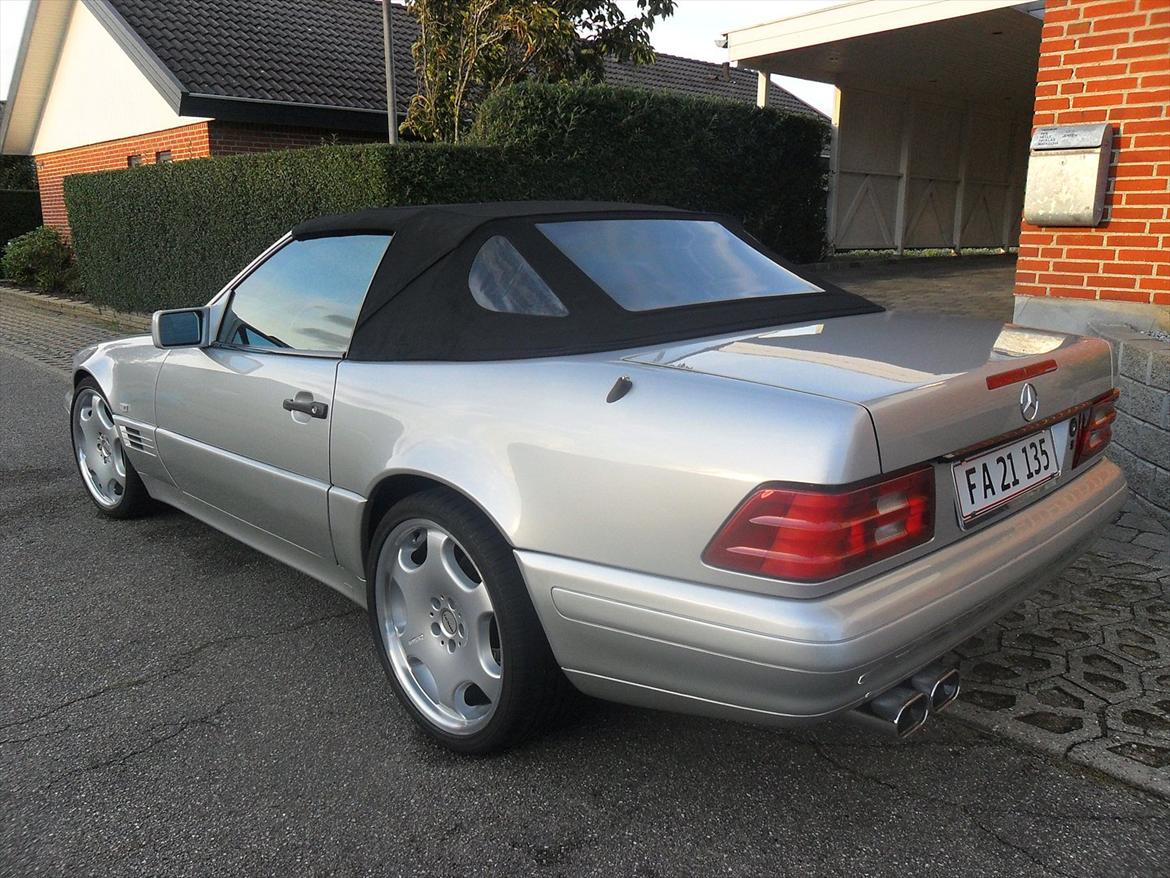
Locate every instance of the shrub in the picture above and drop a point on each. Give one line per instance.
(41, 259)
(20, 211)
(17, 172)
(166, 236)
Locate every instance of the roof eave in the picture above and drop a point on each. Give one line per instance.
(18, 103)
(228, 108)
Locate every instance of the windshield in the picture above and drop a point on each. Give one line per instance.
(644, 264)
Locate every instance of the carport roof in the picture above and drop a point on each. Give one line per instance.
(985, 49)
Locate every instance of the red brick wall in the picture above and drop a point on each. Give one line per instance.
(233, 138)
(187, 142)
(1108, 61)
(199, 140)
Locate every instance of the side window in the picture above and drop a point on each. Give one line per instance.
(502, 280)
(305, 296)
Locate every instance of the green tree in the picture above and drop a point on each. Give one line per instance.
(17, 172)
(468, 48)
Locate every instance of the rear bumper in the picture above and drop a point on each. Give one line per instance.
(696, 648)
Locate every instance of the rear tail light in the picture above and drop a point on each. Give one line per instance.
(1095, 428)
(810, 534)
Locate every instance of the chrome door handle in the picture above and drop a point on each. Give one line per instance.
(312, 409)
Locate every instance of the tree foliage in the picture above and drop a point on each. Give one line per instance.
(17, 172)
(469, 48)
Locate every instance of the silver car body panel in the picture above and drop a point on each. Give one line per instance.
(227, 440)
(690, 646)
(923, 382)
(643, 483)
(609, 505)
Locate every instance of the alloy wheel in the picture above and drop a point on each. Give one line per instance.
(98, 447)
(438, 626)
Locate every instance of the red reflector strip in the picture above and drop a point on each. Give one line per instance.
(1015, 376)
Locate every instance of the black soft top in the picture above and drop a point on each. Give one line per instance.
(419, 305)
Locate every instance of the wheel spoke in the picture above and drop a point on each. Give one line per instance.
(119, 463)
(88, 423)
(474, 600)
(479, 667)
(103, 415)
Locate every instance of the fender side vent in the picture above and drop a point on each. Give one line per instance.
(137, 440)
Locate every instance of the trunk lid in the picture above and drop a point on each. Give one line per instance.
(922, 377)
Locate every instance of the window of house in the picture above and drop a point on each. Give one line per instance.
(163, 157)
(502, 280)
(305, 296)
(133, 161)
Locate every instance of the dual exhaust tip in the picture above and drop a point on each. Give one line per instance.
(904, 709)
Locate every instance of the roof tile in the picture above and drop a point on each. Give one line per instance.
(330, 53)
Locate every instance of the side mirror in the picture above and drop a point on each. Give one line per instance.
(181, 328)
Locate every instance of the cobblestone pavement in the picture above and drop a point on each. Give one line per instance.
(1081, 670)
(967, 286)
(49, 332)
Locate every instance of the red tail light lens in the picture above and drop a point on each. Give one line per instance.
(1095, 428)
(812, 534)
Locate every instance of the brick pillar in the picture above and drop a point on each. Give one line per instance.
(1108, 61)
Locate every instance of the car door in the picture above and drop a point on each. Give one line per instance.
(243, 425)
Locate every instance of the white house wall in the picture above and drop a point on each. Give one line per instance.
(97, 93)
(918, 172)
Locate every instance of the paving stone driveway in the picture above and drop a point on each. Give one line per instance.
(1081, 670)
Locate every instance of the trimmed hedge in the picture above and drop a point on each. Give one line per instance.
(20, 212)
(165, 236)
(170, 236)
(620, 144)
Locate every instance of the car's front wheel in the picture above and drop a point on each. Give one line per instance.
(455, 628)
(106, 472)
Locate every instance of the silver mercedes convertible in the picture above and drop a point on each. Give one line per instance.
(619, 448)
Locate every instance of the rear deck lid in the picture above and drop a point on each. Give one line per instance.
(933, 384)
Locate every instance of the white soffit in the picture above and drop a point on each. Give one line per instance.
(984, 51)
(854, 18)
(44, 34)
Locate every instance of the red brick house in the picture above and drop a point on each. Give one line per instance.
(102, 84)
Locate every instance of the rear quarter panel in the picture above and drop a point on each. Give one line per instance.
(642, 483)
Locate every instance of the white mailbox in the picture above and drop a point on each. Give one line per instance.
(1068, 169)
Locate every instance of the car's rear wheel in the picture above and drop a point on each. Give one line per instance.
(455, 628)
(106, 472)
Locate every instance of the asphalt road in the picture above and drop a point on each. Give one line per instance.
(173, 703)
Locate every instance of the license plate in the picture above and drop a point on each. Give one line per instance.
(991, 479)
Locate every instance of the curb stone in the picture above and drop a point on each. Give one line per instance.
(81, 309)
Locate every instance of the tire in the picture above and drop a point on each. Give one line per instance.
(106, 471)
(446, 602)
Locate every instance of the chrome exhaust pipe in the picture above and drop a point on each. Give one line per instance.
(939, 683)
(900, 711)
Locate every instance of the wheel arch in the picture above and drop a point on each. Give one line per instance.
(393, 487)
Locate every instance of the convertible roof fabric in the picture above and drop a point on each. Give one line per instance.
(419, 305)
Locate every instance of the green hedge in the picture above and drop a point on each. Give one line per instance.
(620, 144)
(170, 235)
(20, 212)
